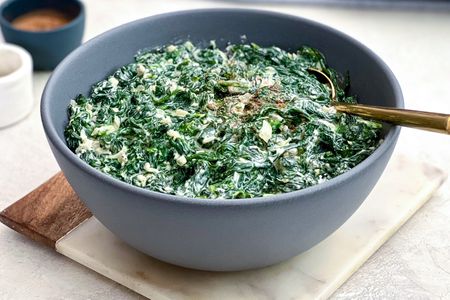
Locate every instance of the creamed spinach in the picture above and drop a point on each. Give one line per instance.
(201, 122)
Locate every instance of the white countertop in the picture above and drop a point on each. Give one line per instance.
(414, 263)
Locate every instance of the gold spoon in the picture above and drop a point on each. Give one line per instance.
(431, 121)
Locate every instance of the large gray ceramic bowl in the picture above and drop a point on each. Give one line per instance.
(219, 234)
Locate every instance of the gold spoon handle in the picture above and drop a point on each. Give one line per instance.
(411, 118)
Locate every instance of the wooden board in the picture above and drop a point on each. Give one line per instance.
(48, 213)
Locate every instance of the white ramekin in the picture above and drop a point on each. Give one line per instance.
(16, 87)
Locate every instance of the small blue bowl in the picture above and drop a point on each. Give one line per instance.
(47, 48)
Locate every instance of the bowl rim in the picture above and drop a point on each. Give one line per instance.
(53, 138)
(73, 22)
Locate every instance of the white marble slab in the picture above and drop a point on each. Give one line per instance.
(405, 186)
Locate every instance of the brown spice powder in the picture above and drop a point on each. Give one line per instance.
(41, 20)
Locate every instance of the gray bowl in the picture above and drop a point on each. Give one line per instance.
(219, 235)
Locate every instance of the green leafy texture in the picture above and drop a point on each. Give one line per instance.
(206, 123)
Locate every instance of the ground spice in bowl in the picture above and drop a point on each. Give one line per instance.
(41, 20)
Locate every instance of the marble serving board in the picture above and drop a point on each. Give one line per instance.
(52, 214)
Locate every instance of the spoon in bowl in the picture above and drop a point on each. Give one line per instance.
(430, 121)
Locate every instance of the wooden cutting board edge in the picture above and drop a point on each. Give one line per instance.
(47, 213)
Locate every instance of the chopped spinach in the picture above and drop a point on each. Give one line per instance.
(201, 122)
